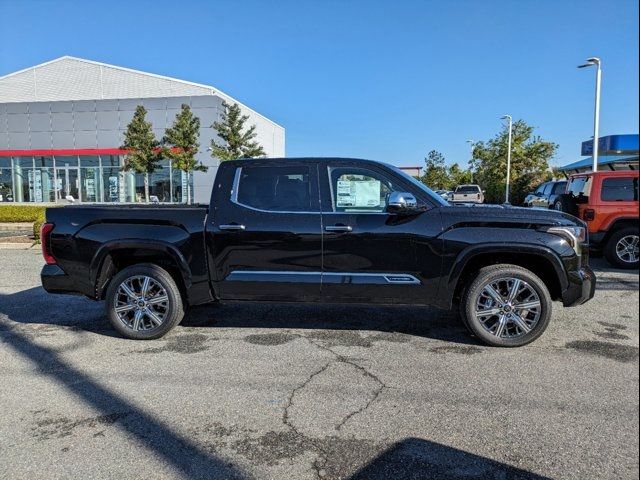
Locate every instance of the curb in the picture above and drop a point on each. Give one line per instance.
(17, 246)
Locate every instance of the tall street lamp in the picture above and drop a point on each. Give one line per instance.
(508, 117)
(471, 146)
(595, 61)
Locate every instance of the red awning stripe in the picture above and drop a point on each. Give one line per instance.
(62, 152)
(66, 152)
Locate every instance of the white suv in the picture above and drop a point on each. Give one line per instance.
(468, 194)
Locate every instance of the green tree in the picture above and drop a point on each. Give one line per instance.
(142, 148)
(238, 142)
(435, 171)
(180, 144)
(458, 176)
(530, 156)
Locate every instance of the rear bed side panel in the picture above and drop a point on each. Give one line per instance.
(84, 236)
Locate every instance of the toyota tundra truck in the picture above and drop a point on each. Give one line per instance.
(320, 230)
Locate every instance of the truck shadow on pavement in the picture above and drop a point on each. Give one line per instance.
(39, 310)
(417, 458)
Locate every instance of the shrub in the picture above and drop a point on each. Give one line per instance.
(21, 213)
(24, 213)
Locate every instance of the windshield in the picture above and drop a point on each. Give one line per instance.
(468, 189)
(437, 199)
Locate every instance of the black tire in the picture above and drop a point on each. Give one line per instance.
(556, 206)
(172, 308)
(493, 273)
(611, 252)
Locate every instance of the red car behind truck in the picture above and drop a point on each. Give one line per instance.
(608, 202)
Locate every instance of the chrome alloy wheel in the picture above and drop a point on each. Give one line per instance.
(627, 249)
(141, 303)
(508, 307)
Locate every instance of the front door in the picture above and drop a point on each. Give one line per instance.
(265, 240)
(369, 254)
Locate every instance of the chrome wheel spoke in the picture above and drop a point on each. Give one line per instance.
(518, 320)
(500, 326)
(489, 312)
(515, 290)
(136, 320)
(130, 293)
(158, 299)
(145, 286)
(494, 294)
(526, 305)
(124, 308)
(153, 317)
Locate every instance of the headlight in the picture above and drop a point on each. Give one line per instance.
(576, 236)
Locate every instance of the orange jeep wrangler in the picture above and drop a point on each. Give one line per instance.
(608, 203)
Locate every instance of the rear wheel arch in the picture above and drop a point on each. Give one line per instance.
(112, 259)
(618, 224)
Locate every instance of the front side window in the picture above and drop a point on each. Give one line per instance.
(356, 189)
(275, 188)
(623, 189)
(540, 189)
(547, 189)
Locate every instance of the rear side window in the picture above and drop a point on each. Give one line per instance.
(623, 189)
(559, 188)
(468, 189)
(275, 189)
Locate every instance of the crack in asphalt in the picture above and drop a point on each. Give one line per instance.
(321, 453)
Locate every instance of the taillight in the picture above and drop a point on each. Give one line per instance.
(589, 214)
(45, 232)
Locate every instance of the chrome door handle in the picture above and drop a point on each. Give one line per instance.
(231, 226)
(338, 228)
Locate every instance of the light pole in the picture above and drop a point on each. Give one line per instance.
(471, 146)
(508, 117)
(596, 114)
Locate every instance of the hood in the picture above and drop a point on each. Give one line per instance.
(500, 215)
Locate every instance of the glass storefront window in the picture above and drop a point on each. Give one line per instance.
(6, 180)
(87, 178)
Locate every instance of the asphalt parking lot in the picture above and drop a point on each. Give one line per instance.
(317, 392)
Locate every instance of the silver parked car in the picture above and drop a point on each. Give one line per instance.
(468, 194)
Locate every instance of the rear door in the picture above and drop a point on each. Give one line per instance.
(370, 255)
(264, 235)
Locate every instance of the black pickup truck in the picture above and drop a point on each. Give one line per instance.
(320, 230)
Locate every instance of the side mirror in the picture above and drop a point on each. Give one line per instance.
(402, 203)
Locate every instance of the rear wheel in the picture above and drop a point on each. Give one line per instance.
(506, 306)
(143, 302)
(621, 249)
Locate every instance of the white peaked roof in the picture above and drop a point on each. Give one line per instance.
(71, 78)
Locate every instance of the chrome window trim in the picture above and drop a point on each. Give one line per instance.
(234, 200)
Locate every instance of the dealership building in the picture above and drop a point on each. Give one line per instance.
(62, 122)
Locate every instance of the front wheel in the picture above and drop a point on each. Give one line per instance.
(506, 306)
(143, 302)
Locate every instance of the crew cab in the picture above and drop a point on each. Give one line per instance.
(320, 230)
(608, 202)
(468, 194)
